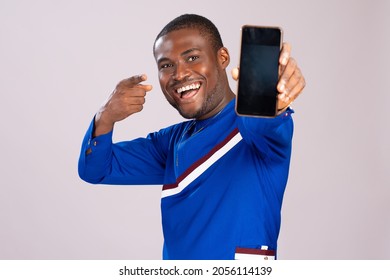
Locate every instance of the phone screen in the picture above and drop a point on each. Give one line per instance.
(259, 64)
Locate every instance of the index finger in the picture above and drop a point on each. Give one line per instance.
(134, 80)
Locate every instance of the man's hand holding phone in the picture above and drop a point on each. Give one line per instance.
(291, 81)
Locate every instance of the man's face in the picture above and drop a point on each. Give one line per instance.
(189, 73)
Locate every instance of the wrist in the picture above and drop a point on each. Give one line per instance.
(282, 110)
(102, 125)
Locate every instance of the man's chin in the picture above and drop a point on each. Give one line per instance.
(189, 113)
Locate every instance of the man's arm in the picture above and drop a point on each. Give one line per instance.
(133, 162)
(137, 162)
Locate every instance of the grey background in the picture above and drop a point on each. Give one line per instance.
(59, 60)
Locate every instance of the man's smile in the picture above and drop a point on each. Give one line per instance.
(189, 90)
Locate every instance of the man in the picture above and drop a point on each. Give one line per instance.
(223, 175)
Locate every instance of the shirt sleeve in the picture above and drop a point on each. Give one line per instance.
(270, 137)
(137, 162)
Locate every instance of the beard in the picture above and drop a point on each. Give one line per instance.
(211, 101)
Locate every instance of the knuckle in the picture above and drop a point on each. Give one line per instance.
(303, 82)
(139, 101)
(139, 108)
(130, 82)
(135, 79)
(122, 82)
(292, 62)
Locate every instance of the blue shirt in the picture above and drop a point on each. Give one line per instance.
(223, 180)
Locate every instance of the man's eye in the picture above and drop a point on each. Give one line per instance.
(167, 65)
(193, 58)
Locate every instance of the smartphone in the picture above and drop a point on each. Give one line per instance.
(259, 71)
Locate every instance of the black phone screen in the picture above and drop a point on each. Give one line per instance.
(259, 64)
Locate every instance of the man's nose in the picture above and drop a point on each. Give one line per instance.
(181, 72)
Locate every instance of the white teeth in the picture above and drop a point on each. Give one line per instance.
(188, 87)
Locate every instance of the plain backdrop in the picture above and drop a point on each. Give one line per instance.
(59, 60)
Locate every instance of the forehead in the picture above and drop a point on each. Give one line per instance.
(179, 41)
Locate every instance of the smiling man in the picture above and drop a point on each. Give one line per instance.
(191, 72)
(223, 175)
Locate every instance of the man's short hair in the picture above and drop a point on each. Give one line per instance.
(205, 26)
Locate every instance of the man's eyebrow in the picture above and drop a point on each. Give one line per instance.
(160, 60)
(189, 51)
(163, 59)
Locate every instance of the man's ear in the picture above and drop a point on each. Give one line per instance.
(223, 57)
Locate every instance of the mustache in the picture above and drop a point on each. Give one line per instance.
(177, 84)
